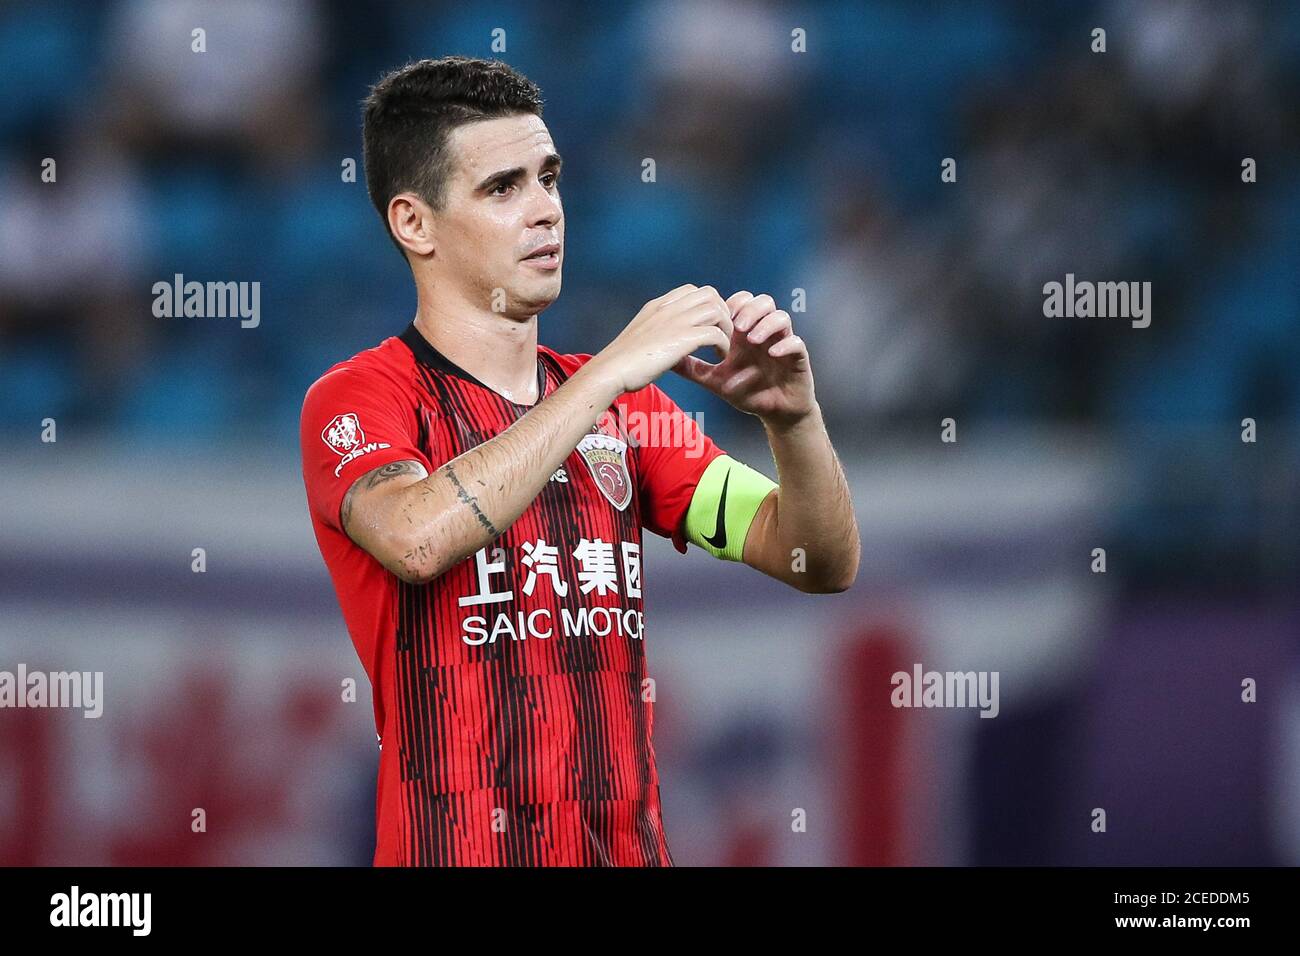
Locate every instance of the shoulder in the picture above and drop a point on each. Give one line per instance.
(387, 365)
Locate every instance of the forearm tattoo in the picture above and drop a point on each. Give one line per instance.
(470, 500)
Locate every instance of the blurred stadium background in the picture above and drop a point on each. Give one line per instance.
(776, 171)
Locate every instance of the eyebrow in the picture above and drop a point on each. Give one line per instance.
(506, 177)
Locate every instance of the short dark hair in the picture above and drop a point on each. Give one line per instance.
(411, 112)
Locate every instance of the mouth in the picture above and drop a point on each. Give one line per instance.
(544, 257)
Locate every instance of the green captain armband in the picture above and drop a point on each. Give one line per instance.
(723, 507)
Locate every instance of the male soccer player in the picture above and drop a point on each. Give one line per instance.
(478, 498)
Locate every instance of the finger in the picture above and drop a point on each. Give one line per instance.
(677, 293)
(711, 313)
(753, 310)
(697, 370)
(790, 345)
(714, 336)
(737, 299)
(704, 293)
(725, 324)
(774, 323)
(716, 299)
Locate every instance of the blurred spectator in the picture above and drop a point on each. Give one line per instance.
(73, 309)
(251, 90)
(775, 171)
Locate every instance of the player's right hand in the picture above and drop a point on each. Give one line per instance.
(665, 331)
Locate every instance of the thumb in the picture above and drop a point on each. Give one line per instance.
(697, 370)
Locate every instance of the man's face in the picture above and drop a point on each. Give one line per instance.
(502, 204)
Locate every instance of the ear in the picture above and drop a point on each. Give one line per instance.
(412, 223)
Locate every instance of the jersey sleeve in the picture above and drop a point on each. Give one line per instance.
(353, 421)
(673, 456)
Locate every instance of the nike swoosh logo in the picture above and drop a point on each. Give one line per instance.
(719, 537)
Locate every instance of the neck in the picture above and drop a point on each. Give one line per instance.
(499, 350)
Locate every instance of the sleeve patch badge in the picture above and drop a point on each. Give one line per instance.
(344, 436)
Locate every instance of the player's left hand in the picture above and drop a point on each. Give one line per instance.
(766, 371)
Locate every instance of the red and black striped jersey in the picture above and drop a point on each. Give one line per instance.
(511, 694)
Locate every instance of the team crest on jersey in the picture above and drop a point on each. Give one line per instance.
(606, 456)
(344, 436)
(343, 433)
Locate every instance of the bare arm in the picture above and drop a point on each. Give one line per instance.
(810, 509)
(418, 525)
(767, 373)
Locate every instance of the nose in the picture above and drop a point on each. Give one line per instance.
(544, 207)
